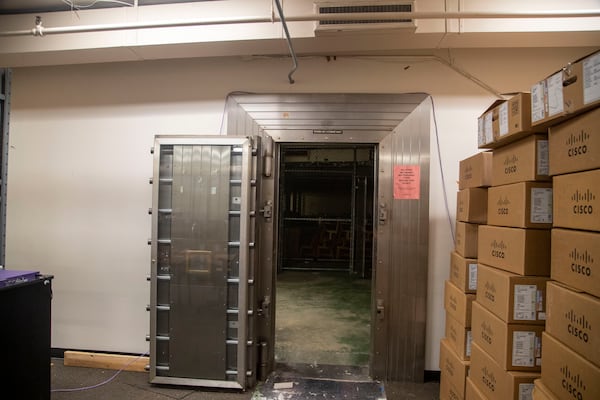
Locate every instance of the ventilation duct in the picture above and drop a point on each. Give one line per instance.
(341, 12)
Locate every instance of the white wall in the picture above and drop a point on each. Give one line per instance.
(79, 165)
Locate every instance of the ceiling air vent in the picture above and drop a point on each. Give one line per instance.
(347, 8)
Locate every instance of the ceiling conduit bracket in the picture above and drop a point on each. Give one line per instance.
(289, 41)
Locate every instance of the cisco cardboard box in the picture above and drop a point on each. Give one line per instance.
(459, 337)
(566, 373)
(575, 259)
(485, 125)
(566, 92)
(463, 272)
(574, 319)
(472, 392)
(512, 298)
(475, 171)
(515, 347)
(521, 205)
(458, 304)
(577, 200)
(471, 205)
(521, 161)
(466, 239)
(574, 145)
(518, 250)
(514, 119)
(453, 373)
(496, 383)
(541, 391)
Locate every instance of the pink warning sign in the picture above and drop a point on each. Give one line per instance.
(407, 179)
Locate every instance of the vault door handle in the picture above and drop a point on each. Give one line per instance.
(383, 213)
(380, 309)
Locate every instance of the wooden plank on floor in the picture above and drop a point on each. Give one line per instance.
(105, 361)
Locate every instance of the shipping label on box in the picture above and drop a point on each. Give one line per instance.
(521, 161)
(485, 124)
(453, 373)
(591, 79)
(475, 171)
(512, 298)
(459, 337)
(566, 373)
(574, 319)
(471, 205)
(575, 144)
(463, 272)
(521, 205)
(458, 304)
(466, 239)
(495, 382)
(577, 200)
(516, 347)
(575, 259)
(521, 251)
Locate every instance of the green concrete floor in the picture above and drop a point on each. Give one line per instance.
(322, 318)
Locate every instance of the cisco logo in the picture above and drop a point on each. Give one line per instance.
(571, 383)
(578, 326)
(498, 249)
(488, 379)
(503, 205)
(583, 197)
(510, 164)
(576, 144)
(489, 291)
(581, 262)
(487, 333)
(468, 172)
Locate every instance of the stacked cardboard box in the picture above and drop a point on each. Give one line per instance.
(571, 365)
(508, 315)
(460, 288)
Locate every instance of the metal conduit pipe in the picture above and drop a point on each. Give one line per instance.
(289, 41)
(39, 30)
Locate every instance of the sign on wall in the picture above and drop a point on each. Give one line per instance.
(407, 180)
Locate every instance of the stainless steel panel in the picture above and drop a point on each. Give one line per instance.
(192, 248)
(407, 271)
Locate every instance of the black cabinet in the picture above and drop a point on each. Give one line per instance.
(25, 339)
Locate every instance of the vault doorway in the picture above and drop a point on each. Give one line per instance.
(324, 269)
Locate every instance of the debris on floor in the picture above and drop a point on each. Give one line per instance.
(278, 387)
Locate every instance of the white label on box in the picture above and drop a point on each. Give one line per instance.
(537, 102)
(523, 350)
(543, 165)
(472, 276)
(503, 116)
(541, 205)
(488, 133)
(591, 79)
(468, 346)
(526, 391)
(480, 135)
(525, 302)
(555, 94)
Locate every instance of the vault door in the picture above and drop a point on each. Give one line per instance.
(201, 328)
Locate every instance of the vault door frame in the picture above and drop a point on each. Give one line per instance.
(400, 127)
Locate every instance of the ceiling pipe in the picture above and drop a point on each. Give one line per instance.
(289, 41)
(39, 30)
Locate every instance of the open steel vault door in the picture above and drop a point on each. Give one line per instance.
(216, 239)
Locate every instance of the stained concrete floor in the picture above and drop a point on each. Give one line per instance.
(322, 318)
